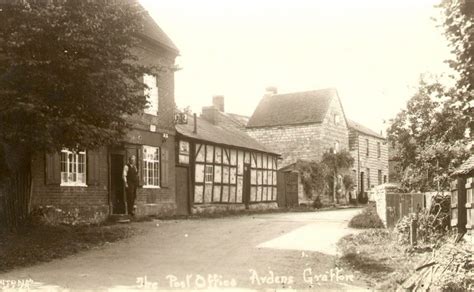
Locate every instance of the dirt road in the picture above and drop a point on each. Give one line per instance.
(284, 250)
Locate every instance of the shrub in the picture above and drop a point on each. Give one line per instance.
(367, 219)
(432, 225)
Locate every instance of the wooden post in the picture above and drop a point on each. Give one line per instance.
(413, 227)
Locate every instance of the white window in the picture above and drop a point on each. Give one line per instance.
(151, 167)
(336, 119)
(336, 147)
(208, 174)
(151, 94)
(73, 168)
(184, 152)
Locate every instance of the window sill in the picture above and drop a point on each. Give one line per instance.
(73, 185)
(151, 187)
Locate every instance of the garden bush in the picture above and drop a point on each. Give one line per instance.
(367, 219)
(433, 225)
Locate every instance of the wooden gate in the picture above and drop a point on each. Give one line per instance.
(287, 183)
(400, 205)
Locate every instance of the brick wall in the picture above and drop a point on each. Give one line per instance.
(91, 202)
(305, 142)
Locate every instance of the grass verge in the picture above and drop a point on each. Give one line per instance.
(368, 218)
(44, 243)
(375, 257)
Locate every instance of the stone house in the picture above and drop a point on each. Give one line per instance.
(88, 184)
(370, 153)
(300, 126)
(219, 167)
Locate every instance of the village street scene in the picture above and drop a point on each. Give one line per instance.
(157, 145)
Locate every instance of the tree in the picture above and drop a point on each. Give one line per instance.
(336, 162)
(458, 24)
(313, 176)
(428, 137)
(349, 184)
(68, 79)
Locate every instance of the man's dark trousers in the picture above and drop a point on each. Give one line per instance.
(131, 196)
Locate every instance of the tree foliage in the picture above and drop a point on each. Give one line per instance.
(318, 177)
(458, 24)
(69, 78)
(428, 138)
(68, 75)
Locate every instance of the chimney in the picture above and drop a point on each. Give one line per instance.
(210, 114)
(271, 90)
(195, 124)
(218, 102)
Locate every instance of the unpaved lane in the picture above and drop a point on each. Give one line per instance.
(286, 250)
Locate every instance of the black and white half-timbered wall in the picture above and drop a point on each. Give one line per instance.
(222, 168)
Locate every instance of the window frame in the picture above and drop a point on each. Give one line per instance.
(184, 152)
(208, 174)
(145, 161)
(150, 93)
(76, 183)
(367, 147)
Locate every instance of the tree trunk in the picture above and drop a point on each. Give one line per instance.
(15, 184)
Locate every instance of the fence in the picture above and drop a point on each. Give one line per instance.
(462, 202)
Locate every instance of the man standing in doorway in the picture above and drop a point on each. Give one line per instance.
(130, 178)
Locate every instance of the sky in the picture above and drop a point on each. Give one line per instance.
(372, 52)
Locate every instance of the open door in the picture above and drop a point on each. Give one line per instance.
(117, 190)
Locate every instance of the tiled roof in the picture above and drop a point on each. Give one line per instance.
(363, 129)
(220, 134)
(292, 108)
(152, 31)
(240, 119)
(466, 167)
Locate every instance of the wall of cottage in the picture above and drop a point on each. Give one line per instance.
(220, 188)
(307, 141)
(70, 204)
(90, 204)
(371, 163)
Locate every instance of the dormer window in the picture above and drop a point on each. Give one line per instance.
(151, 94)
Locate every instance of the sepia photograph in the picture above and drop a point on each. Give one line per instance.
(218, 145)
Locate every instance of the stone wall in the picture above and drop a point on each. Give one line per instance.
(372, 162)
(306, 141)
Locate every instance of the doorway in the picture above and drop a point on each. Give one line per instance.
(117, 190)
(182, 191)
(246, 186)
(362, 188)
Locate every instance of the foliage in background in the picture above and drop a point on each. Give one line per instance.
(428, 138)
(433, 134)
(458, 24)
(68, 78)
(318, 177)
(433, 224)
(313, 177)
(368, 218)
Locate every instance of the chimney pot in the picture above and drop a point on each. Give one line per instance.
(272, 90)
(218, 102)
